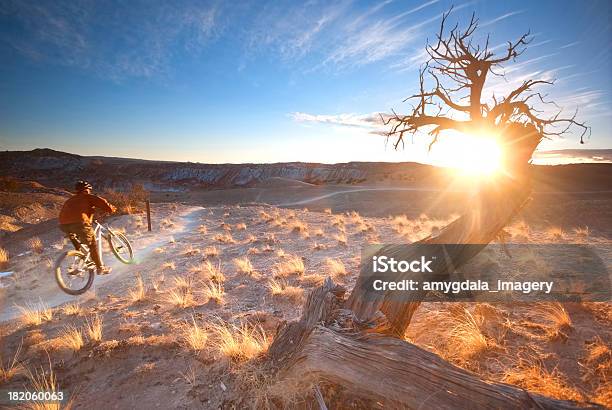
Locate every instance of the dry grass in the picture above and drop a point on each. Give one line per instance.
(157, 282)
(35, 314)
(191, 251)
(12, 367)
(214, 291)
(314, 279)
(169, 266)
(280, 287)
(182, 282)
(290, 265)
(189, 376)
(597, 369)
(203, 229)
(239, 343)
(265, 217)
(139, 292)
(4, 258)
(535, 378)
(400, 222)
(211, 252)
(356, 218)
(35, 245)
(42, 380)
(70, 338)
(318, 232)
(281, 253)
(555, 233)
(319, 246)
(338, 221)
(468, 338)
(335, 267)
(93, 328)
(224, 238)
(166, 223)
(560, 321)
(193, 335)
(180, 297)
(341, 238)
(211, 272)
(72, 309)
(244, 265)
(582, 232)
(298, 226)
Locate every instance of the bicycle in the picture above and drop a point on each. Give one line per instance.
(75, 269)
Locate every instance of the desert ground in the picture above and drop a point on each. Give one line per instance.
(187, 325)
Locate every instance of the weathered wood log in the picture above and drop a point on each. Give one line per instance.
(322, 346)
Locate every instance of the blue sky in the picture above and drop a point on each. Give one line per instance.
(265, 81)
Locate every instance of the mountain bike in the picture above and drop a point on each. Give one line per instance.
(75, 269)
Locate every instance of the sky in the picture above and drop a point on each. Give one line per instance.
(240, 81)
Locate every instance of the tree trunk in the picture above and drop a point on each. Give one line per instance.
(357, 343)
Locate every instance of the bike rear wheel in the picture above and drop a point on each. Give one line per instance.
(121, 247)
(74, 273)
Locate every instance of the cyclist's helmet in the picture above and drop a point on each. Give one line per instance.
(81, 186)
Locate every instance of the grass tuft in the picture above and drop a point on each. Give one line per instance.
(93, 328)
(71, 338)
(4, 258)
(12, 367)
(214, 291)
(138, 293)
(335, 267)
(239, 343)
(244, 265)
(35, 314)
(290, 265)
(72, 309)
(280, 287)
(193, 335)
(36, 245)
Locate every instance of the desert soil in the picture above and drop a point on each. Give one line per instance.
(144, 358)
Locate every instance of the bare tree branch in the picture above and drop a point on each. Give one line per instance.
(459, 70)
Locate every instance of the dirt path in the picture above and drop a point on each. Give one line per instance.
(143, 243)
(348, 191)
(414, 189)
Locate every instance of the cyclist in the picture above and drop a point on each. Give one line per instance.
(76, 218)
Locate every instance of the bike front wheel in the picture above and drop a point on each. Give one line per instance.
(74, 273)
(121, 247)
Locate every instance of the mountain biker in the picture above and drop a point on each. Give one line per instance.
(76, 218)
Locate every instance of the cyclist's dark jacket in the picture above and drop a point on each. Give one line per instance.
(79, 209)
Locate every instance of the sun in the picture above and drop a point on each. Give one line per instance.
(470, 155)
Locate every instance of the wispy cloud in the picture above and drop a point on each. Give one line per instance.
(372, 120)
(500, 18)
(115, 40)
(572, 44)
(334, 36)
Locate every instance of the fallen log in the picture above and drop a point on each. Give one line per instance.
(324, 346)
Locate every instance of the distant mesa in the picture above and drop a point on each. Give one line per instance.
(280, 182)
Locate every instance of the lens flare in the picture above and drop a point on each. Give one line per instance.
(472, 155)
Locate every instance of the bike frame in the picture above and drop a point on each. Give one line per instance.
(99, 231)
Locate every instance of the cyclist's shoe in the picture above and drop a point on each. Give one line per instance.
(104, 270)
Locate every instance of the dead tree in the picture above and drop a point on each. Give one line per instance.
(357, 342)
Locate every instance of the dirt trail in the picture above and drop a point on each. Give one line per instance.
(143, 243)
